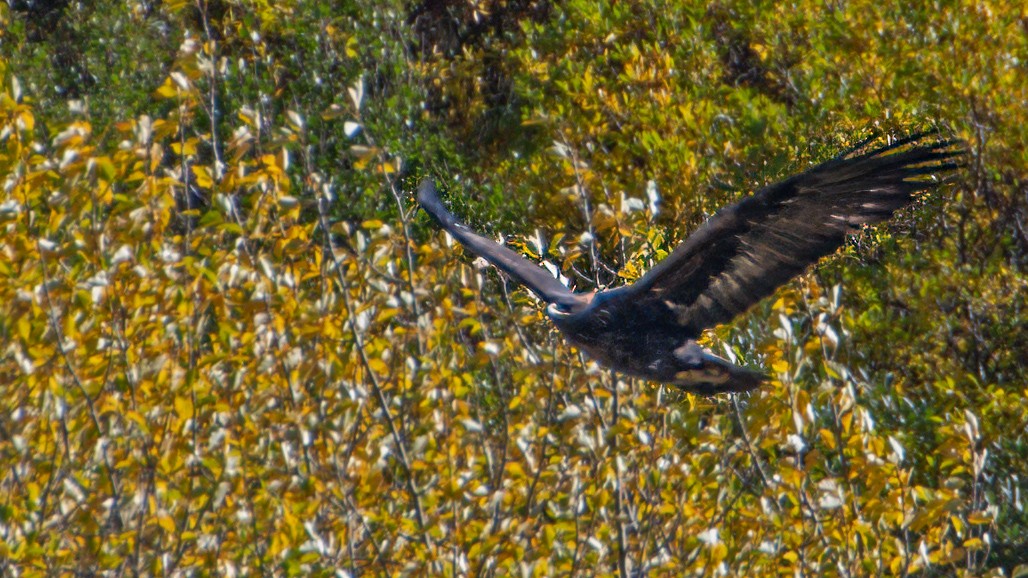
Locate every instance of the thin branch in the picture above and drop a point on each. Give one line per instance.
(373, 378)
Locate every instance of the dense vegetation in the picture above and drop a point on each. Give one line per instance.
(230, 343)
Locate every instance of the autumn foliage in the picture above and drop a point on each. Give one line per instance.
(231, 344)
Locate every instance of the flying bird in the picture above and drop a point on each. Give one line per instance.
(739, 256)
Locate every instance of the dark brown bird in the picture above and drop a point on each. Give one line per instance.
(739, 256)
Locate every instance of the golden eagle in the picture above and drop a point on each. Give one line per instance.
(739, 256)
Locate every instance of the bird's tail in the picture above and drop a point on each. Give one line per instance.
(704, 373)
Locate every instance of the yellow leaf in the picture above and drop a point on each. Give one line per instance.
(973, 544)
(27, 121)
(24, 328)
(515, 470)
(847, 421)
(828, 438)
(166, 523)
(105, 168)
(958, 524)
(138, 419)
(979, 518)
(203, 177)
(184, 406)
(166, 90)
(378, 366)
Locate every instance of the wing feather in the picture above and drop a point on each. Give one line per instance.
(747, 250)
(522, 270)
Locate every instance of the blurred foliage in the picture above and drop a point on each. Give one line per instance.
(231, 344)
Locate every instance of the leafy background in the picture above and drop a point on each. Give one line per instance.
(231, 344)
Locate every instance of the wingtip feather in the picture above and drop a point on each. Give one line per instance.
(427, 192)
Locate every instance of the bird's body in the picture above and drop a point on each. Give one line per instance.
(641, 340)
(735, 259)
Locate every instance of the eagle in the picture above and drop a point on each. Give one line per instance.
(740, 255)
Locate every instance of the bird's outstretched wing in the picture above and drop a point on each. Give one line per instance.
(747, 250)
(522, 270)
